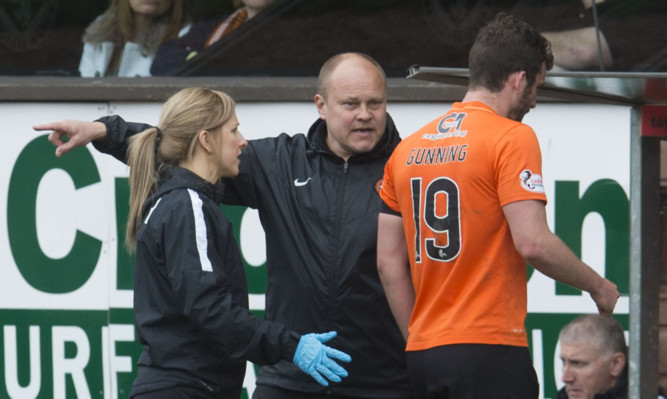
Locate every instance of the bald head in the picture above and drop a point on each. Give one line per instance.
(332, 64)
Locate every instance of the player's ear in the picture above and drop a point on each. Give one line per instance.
(517, 80)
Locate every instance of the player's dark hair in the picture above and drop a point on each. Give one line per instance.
(505, 46)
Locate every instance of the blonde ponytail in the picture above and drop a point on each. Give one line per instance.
(143, 179)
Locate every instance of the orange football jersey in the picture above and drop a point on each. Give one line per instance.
(450, 181)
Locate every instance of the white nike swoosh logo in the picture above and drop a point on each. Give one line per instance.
(298, 183)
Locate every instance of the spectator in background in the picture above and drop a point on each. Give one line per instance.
(177, 51)
(124, 40)
(594, 355)
(579, 47)
(595, 359)
(614, 35)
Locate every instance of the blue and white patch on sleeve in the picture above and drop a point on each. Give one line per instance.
(531, 181)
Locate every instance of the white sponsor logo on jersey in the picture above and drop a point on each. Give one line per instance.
(531, 182)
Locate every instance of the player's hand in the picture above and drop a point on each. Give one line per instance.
(605, 297)
(66, 135)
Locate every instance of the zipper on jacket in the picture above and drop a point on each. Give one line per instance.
(334, 264)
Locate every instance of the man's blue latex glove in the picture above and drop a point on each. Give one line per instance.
(316, 359)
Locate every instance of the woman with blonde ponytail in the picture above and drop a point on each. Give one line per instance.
(190, 291)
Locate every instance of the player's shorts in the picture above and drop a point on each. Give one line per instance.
(473, 371)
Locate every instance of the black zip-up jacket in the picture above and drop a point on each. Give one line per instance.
(191, 295)
(320, 215)
(618, 391)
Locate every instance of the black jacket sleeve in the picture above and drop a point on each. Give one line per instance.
(260, 169)
(118, 131)
(242, 189)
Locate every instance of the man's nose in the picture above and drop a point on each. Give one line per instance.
(567, 376)
(364, 112)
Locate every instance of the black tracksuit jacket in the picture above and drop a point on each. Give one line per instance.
(191, 295)
(321, 240)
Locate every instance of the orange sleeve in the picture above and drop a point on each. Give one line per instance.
(519, 166)
(387, 191)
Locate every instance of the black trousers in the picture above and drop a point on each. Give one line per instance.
(472, 371)
(183, 392)
(269, 392)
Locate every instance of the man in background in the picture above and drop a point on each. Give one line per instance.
(595, 359)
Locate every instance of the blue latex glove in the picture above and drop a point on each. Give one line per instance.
(316, 359)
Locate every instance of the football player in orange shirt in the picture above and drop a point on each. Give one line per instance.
(463, 213)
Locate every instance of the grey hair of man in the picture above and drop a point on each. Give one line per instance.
(603, 333)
